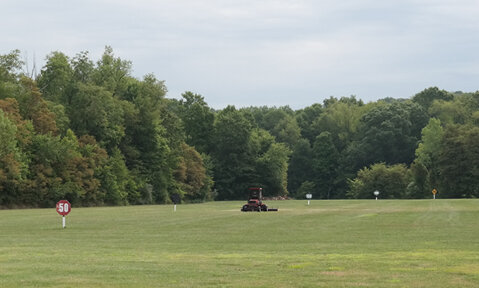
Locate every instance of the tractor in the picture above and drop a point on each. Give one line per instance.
(255, 201)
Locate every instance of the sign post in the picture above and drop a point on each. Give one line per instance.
(434, 191)
(176, 199)
(376, 193)
(63, 208)
(309, 196)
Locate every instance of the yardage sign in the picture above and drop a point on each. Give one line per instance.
(63, 207)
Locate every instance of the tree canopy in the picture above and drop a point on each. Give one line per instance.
(88, 131)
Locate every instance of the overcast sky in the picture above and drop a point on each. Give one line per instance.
(254, 52)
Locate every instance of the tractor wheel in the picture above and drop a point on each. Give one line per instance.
(245, 208)
(264, 207)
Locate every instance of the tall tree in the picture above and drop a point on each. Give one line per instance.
(83, 68)
(198, 120)
(10, 162)
(55, 79)
(325, 165)
(459, 162)
(112, 73)
(463, 109)
(305, 118)
(300, 167)
(341, 119)
(287, 131)
(388, 133)
(234, 162)
(427, 154)
(192, 176)
(104, 119)
(146, 145)
(426, 97)
(33, 107)
(272, 170)
(10, 65)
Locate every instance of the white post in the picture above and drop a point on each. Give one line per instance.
(376, 198)
(434, 196)
(174, 209)
(309, 196)
(63, 222)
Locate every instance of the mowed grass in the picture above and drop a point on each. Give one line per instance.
(411, 243)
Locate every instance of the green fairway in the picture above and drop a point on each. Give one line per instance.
(408, 243)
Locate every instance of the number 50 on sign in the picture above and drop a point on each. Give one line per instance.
(63, 208)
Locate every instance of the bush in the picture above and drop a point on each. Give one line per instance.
(390, 181)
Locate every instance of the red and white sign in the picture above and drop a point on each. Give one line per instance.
(64, 207)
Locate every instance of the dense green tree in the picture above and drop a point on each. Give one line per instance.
(268, 117)
(104, 118)
(279, 122)
(300, 167)
(459, 162)
(116, 182)
(33, 107)
(420, 185)
(59, 170)
(24, 128)
(449, 112)
(427, 156)
(192, 176)
(10, 65)
(341, 119)
(287, 131)
(463, 109)
(91, 133)
(198, 120)
(305, 118)
(388, 133)
(307, 187)
(55, 79)
(390, 181)
(325, 166)
(59, 113)
(112, 73)
(260, 141)
(83, 68)
(8, 132)
(272, 169)
(426, 97)
(233, 158)
(430, 145)
(92, 158)
(154, 153)
(10, 165)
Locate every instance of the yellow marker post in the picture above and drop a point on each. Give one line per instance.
(434, 191)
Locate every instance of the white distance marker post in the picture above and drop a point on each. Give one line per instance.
(376, 193)
(309, 196)
(176, 199)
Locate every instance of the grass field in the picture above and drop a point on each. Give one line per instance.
(412, 243)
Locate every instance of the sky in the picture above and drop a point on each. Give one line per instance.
(255, 53)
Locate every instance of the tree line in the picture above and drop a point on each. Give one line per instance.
(92, 133)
